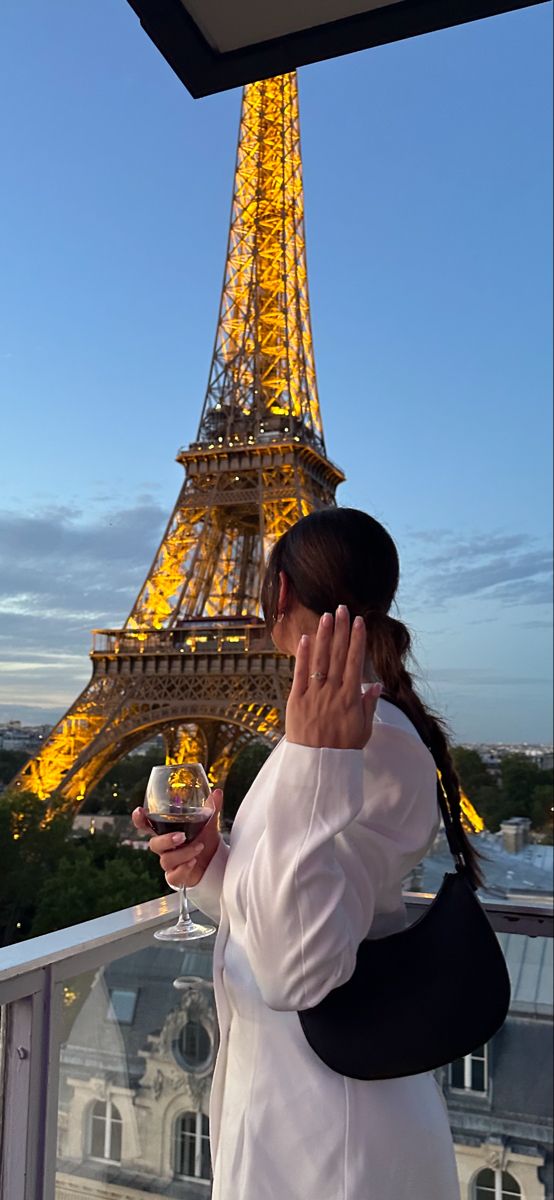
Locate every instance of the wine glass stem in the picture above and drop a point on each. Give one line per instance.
(184, 915)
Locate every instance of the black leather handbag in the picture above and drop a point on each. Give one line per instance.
(419, 998)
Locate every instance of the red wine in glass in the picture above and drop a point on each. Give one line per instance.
(191, 825)
(178, 800)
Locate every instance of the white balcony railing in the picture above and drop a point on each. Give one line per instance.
(64, 1055)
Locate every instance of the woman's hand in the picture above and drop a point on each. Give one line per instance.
(326, 706)
(184, 862)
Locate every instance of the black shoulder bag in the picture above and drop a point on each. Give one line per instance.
(419, 998)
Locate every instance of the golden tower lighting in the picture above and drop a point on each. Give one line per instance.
(193, 661)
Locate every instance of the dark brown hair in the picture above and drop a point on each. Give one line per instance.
(343, 556)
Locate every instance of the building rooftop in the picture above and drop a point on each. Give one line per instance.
(530, 963)
(527, 874)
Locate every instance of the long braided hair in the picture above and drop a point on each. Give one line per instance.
(343, 556)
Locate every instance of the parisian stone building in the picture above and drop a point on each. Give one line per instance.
(137, 1062)
(500, 1099)
(135, 1077)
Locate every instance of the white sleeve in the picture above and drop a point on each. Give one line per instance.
(207, 894)
(311, 885)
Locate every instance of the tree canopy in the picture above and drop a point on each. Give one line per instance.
(51, 878)
(519, 789)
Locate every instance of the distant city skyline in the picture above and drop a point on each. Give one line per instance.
(427, 170)
(14, 734)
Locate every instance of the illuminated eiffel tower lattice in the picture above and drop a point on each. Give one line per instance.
(193, 661)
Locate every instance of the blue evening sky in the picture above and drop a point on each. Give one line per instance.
(427, 168)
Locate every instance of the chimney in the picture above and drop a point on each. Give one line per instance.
(515, 834)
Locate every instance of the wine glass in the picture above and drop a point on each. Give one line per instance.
(178, 800)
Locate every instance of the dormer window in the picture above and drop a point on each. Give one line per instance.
(470, 1074)
(122, 1005)
(105, 1131)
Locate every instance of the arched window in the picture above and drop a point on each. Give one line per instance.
(192, 1146)
(195, 1047)
(496, 1185)
(105, 1131)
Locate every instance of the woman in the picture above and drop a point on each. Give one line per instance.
(339, 814)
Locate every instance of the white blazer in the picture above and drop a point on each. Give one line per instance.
(317, 856)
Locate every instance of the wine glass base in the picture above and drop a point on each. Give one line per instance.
(186, 933)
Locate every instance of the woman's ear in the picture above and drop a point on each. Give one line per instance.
(284, 592)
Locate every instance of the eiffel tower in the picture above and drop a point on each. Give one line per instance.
(193, 661)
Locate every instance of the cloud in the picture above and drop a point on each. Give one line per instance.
(515, 578)
(476, 545)
(12, 663)
(32, 714)
(480, 677)
(60, 534)
(64, 571)
(511, 569)
(535, 625)
(62, 574)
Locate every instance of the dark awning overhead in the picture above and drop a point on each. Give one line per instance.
(217, 44)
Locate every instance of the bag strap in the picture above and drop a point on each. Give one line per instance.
(455, 844)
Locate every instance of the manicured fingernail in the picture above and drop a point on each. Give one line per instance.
(197, 850)
(326, 619)
(304, 640)
(191, 863)
(358, 622)
(178, 839)
(342, 610)
(376, 689)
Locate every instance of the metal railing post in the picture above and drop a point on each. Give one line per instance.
(24, 1088)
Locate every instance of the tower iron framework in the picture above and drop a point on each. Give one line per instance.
(193, 661)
